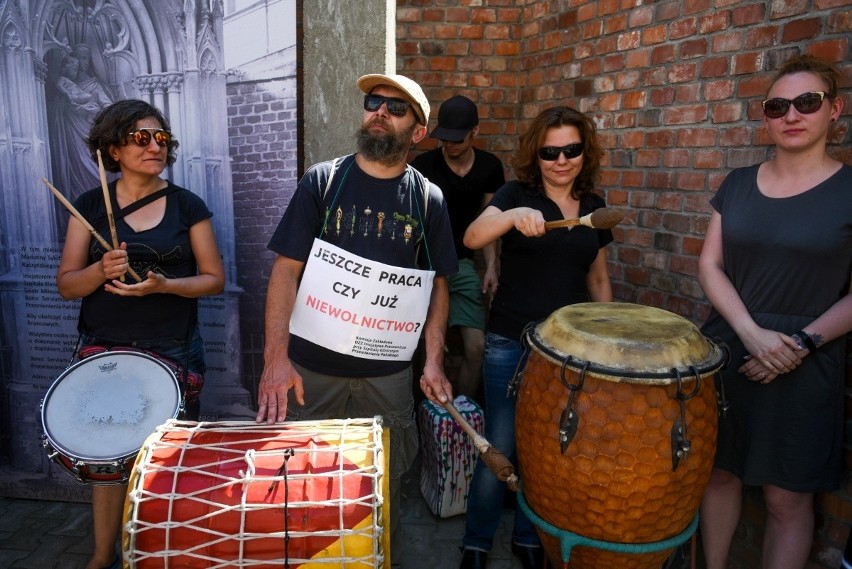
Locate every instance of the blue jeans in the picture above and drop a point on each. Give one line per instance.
(485, 500)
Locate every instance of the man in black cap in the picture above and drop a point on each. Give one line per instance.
(468, 177)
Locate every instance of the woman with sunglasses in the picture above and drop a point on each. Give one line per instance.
(166, 237)
(776, 267)
(557, 165)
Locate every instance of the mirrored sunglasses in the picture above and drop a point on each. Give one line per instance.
(551, 153)
(806, 103)
(397, 107)
(142, 136)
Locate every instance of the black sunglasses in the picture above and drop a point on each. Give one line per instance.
(806, 103)
(142, 136)
(551, 153)
(396, 107)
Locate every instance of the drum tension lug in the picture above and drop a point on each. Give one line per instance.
(680, 445)
(569, 421)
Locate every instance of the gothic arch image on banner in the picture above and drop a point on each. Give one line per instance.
(60, 62)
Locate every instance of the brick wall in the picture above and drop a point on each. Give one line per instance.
(675, 88)
(263, 141)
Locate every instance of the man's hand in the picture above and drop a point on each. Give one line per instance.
(278, 377)
(435, 385)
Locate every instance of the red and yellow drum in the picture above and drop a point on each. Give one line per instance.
(616, 428)
(308, 494)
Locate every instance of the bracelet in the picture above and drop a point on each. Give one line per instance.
(809, 342)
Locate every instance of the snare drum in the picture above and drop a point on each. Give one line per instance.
(98, 413)
(308, 494)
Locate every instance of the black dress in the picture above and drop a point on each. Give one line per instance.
(790, 260)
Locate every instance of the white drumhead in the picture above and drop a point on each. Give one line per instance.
(104, 407)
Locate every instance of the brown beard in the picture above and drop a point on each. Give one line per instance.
(389, 149)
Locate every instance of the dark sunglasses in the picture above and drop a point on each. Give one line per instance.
(396, 107)
(142, 136)
(551, 153)
(806, 103)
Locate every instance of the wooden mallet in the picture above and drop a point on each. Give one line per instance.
(495, 460)
(603, 218)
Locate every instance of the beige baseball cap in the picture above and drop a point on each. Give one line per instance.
(411, 89)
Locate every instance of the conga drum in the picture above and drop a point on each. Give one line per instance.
(616, 432)
(306, 494)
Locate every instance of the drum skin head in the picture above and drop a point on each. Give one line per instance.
(104, 407)
(626, 340)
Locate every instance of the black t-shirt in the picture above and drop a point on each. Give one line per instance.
(384, 220)
(463, 193)
(540, 274)
(164, 249)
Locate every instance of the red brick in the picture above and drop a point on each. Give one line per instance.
(839, 22)
(761, 37)
(691, 181)
(641, 16)
(718, 90)
(832, 50)
(726, 112)
(714, 67)
(715, 22)
(683, 28)
(693, 48)
(638, 58)
(676, 158)
(654, 35)
(663, 54)
(448, 32)
(732, 41)
(801, 30)
(747, 63)
(682, 72)
(471, 32)
(457, 15)
(616, 24)
(692, 6)
(747, 15)
(696, 137)
(788, 8)
(709, 159)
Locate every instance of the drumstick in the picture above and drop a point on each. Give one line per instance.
(495, 460)
(86, 224)
(603, 218)
(108, 202)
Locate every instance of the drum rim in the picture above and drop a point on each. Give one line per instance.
(711, 365)
(74, 455)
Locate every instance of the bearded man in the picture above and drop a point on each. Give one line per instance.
(363, 252)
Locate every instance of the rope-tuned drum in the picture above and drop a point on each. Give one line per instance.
(308, 494)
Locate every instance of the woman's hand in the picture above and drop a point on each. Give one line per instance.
(756, 370)
(776, 352)
(154, 282)
(114, 263)
(528, 221)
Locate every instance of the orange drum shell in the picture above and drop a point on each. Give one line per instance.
(615, 481)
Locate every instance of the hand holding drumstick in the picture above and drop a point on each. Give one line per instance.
(86, 224)
(495, 460)
(108, 203)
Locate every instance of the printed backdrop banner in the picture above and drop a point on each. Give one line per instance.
(360, 307)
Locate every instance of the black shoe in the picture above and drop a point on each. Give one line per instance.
(530, 557)
(473, 559)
